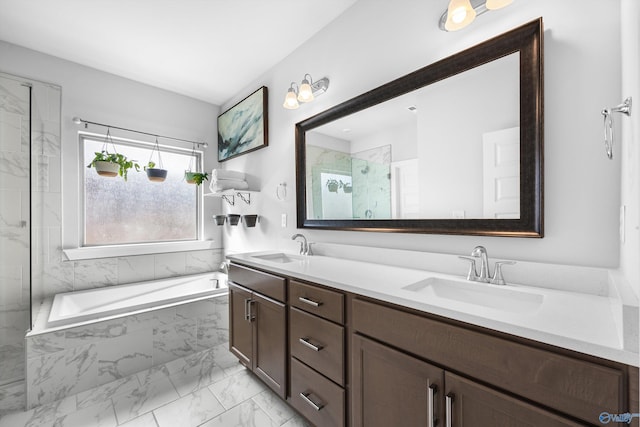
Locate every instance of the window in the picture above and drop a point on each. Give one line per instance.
(118, 212)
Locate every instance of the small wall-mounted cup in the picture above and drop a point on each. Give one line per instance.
(233, 219)
(219, 219)
(250, 220)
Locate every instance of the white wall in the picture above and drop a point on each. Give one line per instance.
(376, 41)
(104, 98)
(629, 150)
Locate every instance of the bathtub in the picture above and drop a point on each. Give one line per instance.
(94, 337)
(82, 306)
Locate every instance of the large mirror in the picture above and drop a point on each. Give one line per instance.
(453, 148)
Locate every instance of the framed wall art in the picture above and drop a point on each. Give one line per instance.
(244, 127)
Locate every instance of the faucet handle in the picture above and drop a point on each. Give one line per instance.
(498, 279)
(309, 250)
(472, 275)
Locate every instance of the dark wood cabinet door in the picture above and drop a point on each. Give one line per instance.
(390, 388)
(240, 326)
(471, 404)
(270, 351)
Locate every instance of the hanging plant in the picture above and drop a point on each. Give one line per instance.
(346, 187)
(112, 164)
(191, 176)
(155, 174)
(196, 178)
(332, 185)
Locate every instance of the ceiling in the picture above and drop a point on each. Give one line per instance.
(205, 49)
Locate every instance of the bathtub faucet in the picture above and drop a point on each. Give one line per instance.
(224, 267)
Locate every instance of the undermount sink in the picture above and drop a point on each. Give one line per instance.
(278, 257)
(482, 294)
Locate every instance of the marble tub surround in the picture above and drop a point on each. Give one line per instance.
(590, 323)
(208, 388)
(66, 361)
(68, 276)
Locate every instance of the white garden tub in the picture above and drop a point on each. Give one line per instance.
(82, 306)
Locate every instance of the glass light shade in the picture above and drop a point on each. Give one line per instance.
(305, 94)
(460, 13)
(290, 101)
(497, 4)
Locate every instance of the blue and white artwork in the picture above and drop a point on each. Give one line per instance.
(243, 127)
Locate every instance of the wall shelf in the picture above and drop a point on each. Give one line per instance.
(230, 195)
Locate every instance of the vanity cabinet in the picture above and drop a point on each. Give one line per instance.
(488, 380)
(258, 324)
(317, 348)
(394, 388)
(341, 358)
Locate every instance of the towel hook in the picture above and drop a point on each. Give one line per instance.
(624, 108)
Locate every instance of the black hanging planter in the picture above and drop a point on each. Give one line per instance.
(155, 174)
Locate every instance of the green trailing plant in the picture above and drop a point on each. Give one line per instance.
(124, 164)
(196, 178)
(150, 165)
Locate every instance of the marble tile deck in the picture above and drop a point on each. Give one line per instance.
(209, 388)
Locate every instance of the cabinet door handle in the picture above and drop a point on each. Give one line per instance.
(432, 416)
(449, 409)
(252, 315)
(305, 341)
(309, 301)
(305, 397)
(247, 315)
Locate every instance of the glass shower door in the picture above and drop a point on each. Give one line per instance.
(15, 238)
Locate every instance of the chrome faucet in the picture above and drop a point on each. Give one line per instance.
(481, 252)
(485, 276)
(305, 248)
(224, 267)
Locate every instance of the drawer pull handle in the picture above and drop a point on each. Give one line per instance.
(431, 414)
(310, 302)
(305, 397)
(449, 409)
(305, 341)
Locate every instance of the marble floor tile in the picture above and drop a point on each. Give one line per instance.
(209, 396)
(146, 420)
(274, 407)
(40, 416)
(246, 414)
(189, 411)
(232, 390)
(101, 415)
(144, 399)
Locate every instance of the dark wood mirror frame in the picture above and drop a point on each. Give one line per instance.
(527, 40)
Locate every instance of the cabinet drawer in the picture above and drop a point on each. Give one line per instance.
(319, 301)
(576, 387)
(318, 343)
(264, 283)
(318, 399)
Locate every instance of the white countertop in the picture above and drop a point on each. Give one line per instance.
(586, 323)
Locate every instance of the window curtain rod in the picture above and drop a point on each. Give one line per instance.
(78, 120)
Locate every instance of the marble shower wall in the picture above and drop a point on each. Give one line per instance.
(69, 361)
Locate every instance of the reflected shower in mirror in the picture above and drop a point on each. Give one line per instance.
(448, 150)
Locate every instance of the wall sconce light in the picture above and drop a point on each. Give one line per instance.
(305, 92)
(461, 13)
